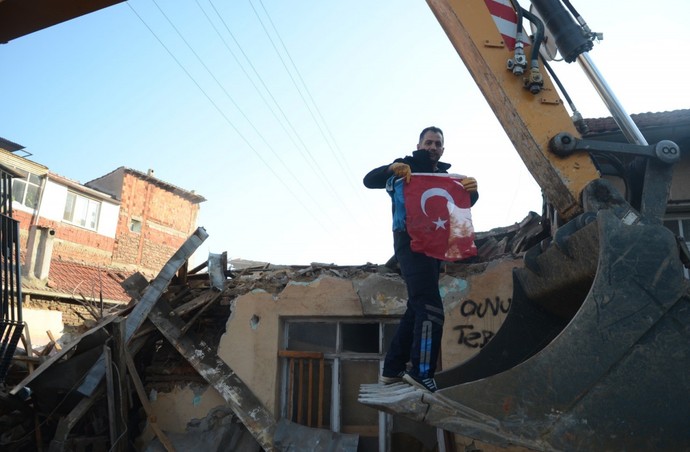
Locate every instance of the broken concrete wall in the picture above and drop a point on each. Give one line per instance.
(476, 299)
(39, 322)
(175, 409)
(253, 334)
(476, 306)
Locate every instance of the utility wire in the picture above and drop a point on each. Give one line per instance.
(225, 117)
(314, 165)
(251, 80)
(229, 96)
(307, 157)
(310, 112)
(339, 154)
(315, 169)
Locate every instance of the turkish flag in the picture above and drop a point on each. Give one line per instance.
(437, 216)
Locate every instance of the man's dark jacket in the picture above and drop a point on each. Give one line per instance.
(419, 162)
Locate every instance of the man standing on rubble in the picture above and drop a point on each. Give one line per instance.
(418, 337)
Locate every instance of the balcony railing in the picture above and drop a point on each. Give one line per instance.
(11, 323)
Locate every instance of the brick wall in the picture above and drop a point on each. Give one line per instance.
(71, 243)
(70, 311)
(166, 219)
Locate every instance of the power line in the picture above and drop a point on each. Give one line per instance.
(336, 153)
(325, 180)
(251, 80)
(339, 152)
(225, 117)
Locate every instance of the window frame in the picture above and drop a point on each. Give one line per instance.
(335, 359)
(27, 183)
(87, 210)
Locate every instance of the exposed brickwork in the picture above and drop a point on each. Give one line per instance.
(73, 314)
(71, 243)
(166, 219)
(85, 263)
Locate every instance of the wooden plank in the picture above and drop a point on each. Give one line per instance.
(161, 281)
(139, 387)
(49, 362)
(201, 300)
(182, 274)
(26, 340)
(58, 347)
(120, 383)
(67, 423)
(244, 404)
(143, 307)
(203, 309)
(110, 394)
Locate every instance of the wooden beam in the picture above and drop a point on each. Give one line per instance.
(110, 394)
(246, 406)
(49, 362)
(139, 387)
(67, 423)
(143, 307)
(214, 296)
(120, 383)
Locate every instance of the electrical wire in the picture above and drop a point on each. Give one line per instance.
(335, 149)
(251, 80)
(232, 100)
(308, 156)
(227, 120)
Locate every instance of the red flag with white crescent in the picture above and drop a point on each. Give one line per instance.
(438, 217)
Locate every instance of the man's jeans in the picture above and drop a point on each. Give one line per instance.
(418, 337)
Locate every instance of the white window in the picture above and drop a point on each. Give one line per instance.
(25, 191)
(352, 353)
(82, 211)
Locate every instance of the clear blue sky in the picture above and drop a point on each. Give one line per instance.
(152, 85)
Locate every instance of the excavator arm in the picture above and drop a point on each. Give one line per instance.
(594, 351)
(530, 120)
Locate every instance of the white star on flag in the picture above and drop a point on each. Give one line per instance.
(440, 224)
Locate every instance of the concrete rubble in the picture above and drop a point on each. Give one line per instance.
(96, 392)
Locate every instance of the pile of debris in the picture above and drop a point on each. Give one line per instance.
(92, 393)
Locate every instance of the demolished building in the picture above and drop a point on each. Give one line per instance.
(249, 354)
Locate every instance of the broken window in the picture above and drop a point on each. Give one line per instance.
(82, 211)
(352, 353)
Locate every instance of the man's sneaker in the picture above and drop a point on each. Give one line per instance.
(425, 384)
(397, 378)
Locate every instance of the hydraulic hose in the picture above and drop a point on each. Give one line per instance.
(538, 37)
(570, 37)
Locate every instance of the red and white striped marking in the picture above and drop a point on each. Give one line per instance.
(505, 19)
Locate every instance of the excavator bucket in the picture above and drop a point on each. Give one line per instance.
(594, 353)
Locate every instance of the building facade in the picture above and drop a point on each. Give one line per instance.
(79, 242)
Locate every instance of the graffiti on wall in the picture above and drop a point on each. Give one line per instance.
(476, 334)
